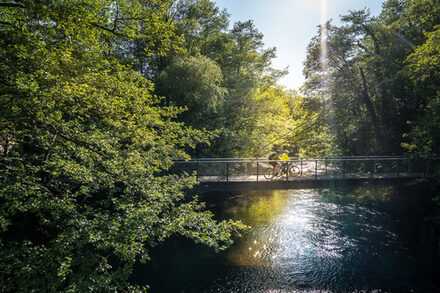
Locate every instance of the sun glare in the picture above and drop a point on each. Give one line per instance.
(324, 59)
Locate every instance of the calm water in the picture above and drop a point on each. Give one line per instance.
(364, 239)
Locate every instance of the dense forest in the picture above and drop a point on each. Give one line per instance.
(99, 97)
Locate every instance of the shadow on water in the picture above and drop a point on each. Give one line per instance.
(366, 238)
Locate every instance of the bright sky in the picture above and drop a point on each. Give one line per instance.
(289, 26)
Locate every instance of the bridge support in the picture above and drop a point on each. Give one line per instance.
(297, 184)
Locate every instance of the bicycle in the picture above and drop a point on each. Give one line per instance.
(282, 172)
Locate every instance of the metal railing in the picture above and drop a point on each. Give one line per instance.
(235, 169)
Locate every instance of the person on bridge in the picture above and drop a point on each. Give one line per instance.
(276, 165)
(285, 156)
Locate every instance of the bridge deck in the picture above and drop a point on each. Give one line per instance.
(237, 183)
(260, 178)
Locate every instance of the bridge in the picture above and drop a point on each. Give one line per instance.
(309, 172)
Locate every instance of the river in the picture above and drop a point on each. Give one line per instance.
(356, 239)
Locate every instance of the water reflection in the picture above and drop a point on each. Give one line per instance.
(364, 239)
(324, 239)
(297, 225)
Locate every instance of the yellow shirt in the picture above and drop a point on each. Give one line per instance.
(285, 157)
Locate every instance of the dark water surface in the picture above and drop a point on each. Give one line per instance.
(360, 239)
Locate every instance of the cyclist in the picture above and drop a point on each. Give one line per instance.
(281, 165)
(276, 165)
(285, 157)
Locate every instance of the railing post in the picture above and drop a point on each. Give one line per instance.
(197, 171)
(343, 169)
(258, 167)
(316, 169)
(301, 171)
(227, 171)
(325, 162)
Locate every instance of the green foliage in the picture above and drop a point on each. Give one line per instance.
(383, 77)
(224, 80)
(311, 135)
(85, 148)
(423, 67)
(194, 83)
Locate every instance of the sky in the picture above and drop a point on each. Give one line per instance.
(289, 25)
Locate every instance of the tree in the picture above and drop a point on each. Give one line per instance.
(371, 93)
(85, 149)
(222, 76)
(349, 108)
(424, 65)
(194, 83)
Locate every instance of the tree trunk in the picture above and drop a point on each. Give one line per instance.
(372, 112)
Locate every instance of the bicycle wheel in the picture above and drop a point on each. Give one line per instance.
(282, 174)
(294, 170)
(268, 173)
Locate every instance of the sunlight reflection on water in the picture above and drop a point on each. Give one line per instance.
(305, 239)
(297, 231)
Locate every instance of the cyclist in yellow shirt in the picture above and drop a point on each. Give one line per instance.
(276, 165)
(285, 156)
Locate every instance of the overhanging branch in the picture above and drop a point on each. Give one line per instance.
(109, 30)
